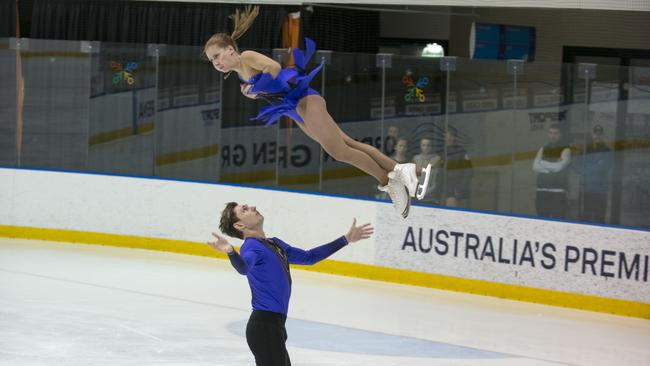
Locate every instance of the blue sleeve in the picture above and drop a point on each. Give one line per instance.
(244, 262)
(315, 255)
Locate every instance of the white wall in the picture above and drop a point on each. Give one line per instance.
(609, 262)
(171, 210)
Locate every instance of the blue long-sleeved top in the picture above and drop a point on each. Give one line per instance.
(268, 273)
(595, 167)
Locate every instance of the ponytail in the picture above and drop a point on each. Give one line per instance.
(242, 22)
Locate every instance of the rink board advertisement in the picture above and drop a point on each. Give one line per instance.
(591, 260)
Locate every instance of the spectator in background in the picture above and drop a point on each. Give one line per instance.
(551, 164)
(454, 186)
(427, 156)
(401, 152)
(595, 168)
(392, 136)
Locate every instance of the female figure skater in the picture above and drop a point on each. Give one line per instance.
(288, 92)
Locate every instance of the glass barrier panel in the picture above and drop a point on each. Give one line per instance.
(566, 141)
(416, 90)
(352, 87)
(122, 109)
(188, 118)
(478, 140)
(56, 78)
(630, 191)
(540, 107)
(9, 63)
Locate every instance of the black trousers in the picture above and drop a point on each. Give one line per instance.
(551, 204)
(266, 337)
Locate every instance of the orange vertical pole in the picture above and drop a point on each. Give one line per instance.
(19, 94)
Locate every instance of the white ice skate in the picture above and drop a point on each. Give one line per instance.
(406, 173)
(399, 195)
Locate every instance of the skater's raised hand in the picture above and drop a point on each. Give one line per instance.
(221, 244)
(357, 233)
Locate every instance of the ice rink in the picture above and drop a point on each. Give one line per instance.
(68, 304)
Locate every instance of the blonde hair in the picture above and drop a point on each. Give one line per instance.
(242, 20)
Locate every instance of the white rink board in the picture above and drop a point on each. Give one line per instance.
(616, 264)
(171, 209)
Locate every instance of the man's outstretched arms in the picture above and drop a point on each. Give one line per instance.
(315, 255)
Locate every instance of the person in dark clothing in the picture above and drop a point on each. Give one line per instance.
(453, 183)
(595, 168)
(551, 164)
(265, 262)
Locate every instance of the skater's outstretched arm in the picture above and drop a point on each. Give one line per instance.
(242, 263)
(315, 255)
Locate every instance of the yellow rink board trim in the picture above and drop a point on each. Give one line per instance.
(104, 137)
(479, 287)
(187, 155)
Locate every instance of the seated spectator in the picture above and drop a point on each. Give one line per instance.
(401, 152)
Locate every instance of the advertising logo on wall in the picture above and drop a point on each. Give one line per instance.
(590, 260)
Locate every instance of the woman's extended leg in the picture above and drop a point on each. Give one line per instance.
(406, 173)
(320, 126)
(384, 161)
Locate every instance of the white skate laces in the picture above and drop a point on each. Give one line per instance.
(398, 194)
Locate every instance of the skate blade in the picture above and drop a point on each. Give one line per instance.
(422, 188)
(408, 206)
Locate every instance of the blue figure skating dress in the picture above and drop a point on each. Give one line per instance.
(285, 91)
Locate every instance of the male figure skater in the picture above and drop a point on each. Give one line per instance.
(265, 262)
